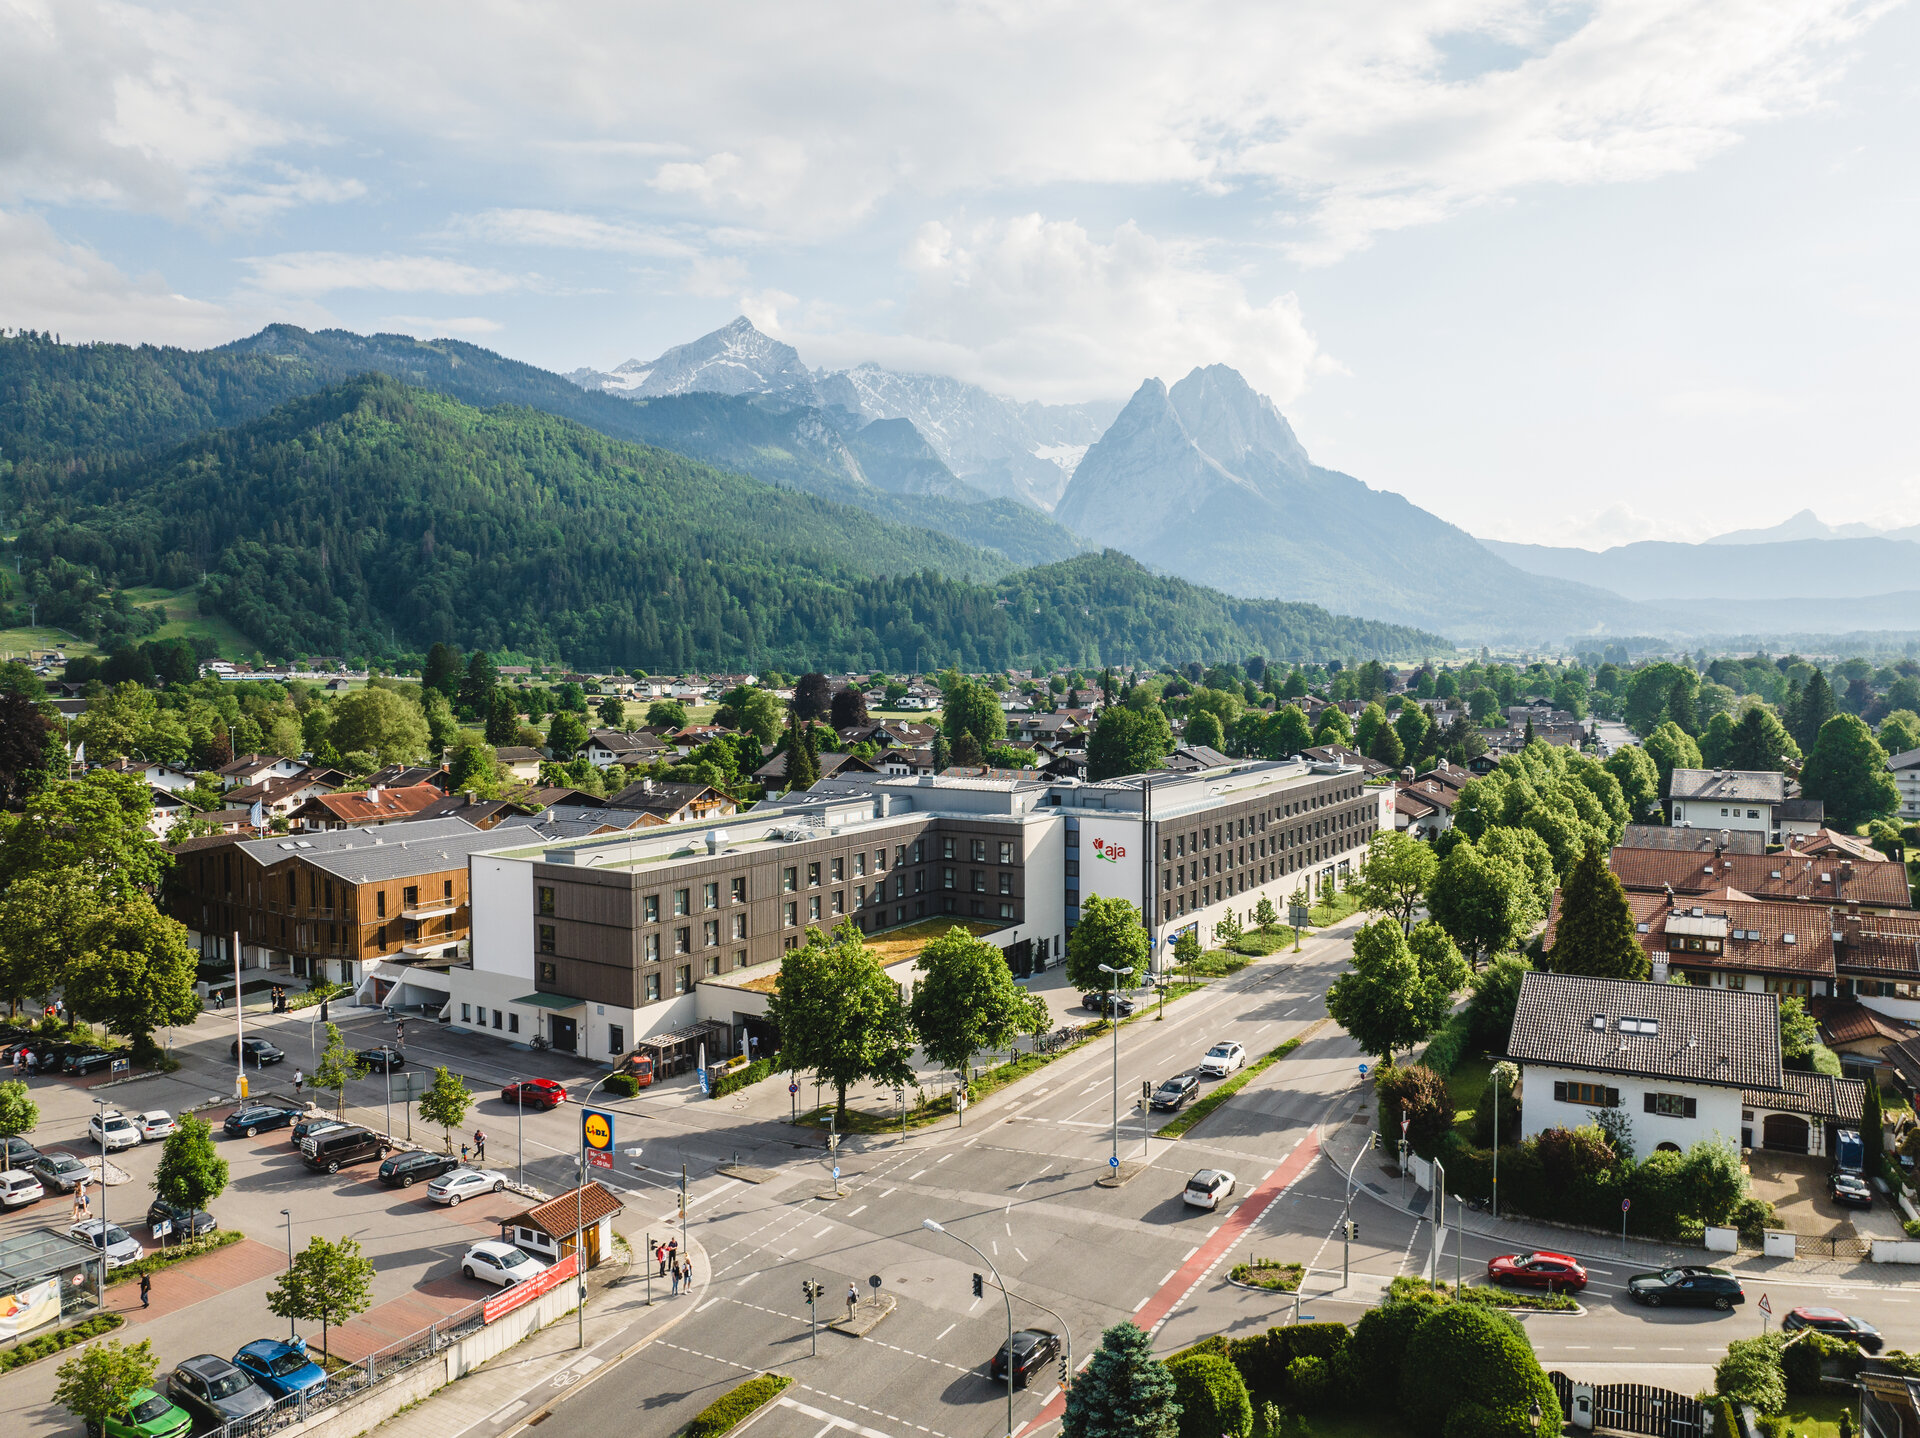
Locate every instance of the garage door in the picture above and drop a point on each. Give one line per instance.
(1784, 1133)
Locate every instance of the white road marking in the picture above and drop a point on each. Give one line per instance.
(890, 1193)
(1191, 1251)
(824, 1232)
(944, 1332)
(1009, 1228)
(1167, 1279)
(910, 1178)
(996, 1247)
(858, 1211)
(708, 1304)
(940, 1160)
(1143, 1303)
(1023, 1257)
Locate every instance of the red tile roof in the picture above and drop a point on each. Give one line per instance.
(574, 1209)
(371, 807)
(1765, 876)
(1752, 933)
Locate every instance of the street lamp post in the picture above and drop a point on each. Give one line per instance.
(288, 1216)
(1113, 1017)
(579, 1223)
(934, 1227)
(100, 1110)
(1499, 1072)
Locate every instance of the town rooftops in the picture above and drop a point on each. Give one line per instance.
(377, 805)
(1839, 1100)
(1691, 840)
(1731, 786)
(371, 856)
(1728, 1038)
(1765, 876)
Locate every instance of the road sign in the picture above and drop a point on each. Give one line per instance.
(793, 1088)
(1363, 1070)
(1765, 1306)
(874, 1281)
(1625, 1204)
(596, 1136)
(120, 1068)
(162, 1228)
(1114, 1162)
(836, 1170)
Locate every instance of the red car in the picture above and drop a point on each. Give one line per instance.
(1555, 1271)
(535, 1093)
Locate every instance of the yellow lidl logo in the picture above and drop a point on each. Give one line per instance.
(596, 1129)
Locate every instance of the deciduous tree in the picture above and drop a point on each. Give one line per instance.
(1127, 741)
(965, 1000)
(1847, 770)
(18, 1112)
(1385, 1000)
(1109, 933)
(29, 747)
(1394, 876)
(338, 1063)
(812, 696)
(1485, 903)
(328, 1284)
(839, 1015)
(135, 975)
(751, 710)
(99, 1381)
(381, 723)
(1638, 777)
(446, 1102)
(191, 1173)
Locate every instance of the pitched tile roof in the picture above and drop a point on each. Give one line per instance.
(1753, 933)
(1741, 786)
(1886, 946)
(1691, 840)
(572, 1210)
(374, 806)
(1724, 1037)
(1819, 1095)
(1765, 876)
(1848, 1021)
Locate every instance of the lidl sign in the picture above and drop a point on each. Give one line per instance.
(596, 1136)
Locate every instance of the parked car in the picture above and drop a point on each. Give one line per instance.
(260, 1053)
(85, 1059)
(1222, 1059)
(187, 1222)
(1555, 1271)
(340, 1146)
(1106, 1004)
(466, 1183)
(253, 1118)
(404, 1170)
(155, 1123)
(280, 1365)
(1032, 1349)
(61, 1172)
(18, 1188)
(1173, 1093)
(112, 1130)
(307, 1125)
(1850, 1189)
(1835, 1324)
(1696, 1286)
(1207, 1188)
(383, 1059)
(500, 1263)
(20, 1153)
(535, 1093)
(216, 1392)
(147, 1415)
(110, 1238)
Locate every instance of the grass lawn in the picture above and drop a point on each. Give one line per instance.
(1818, 1415)
(180, 609)
(1344, 906)
(17, 643)
(1260, 942)
(1467, 1086)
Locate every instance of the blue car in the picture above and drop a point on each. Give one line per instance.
(252, 1118)
(280, 1366)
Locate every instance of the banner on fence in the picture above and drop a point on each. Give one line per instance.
(28, 1309)
(507, 1300)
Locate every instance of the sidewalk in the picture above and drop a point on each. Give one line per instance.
(514, 1388)
(1344, 1143)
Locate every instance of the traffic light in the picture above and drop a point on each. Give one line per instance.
(1063, 1370)
(979, 1286)
(1350, 1229)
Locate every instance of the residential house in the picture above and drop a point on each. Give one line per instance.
(665, 803)
(1691, 840)
(1801, 818)
(166, 809)
(1341, 754)
(616, 746)
(277, 798)
(363, 810)
(401, 776)
(518, 762)
(1906, 774)
(1727, 940)
(905, 762)
(470, 808)
(1730, 799)
(773, 773)
(1860, 1036)
(252, 768)
(169, 778)
(1835, 882)
(1684, 1063)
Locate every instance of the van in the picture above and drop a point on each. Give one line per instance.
(340, 1146)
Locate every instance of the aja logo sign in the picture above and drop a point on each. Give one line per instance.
(1111, 852)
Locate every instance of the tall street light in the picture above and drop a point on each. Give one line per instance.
(1113, 1017)
(933, 1227)
(288, 1216)
(579, 1224)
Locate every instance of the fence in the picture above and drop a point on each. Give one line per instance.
(1628, 1408)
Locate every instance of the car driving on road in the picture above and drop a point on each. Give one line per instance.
(260, 1053)
(1207, 1188)
(1173, 1093)
(500, 1263)
(1695, 1287)
(384, 1059)
(1032, 1349)
(1835, 1324)
(1222, 1059)
(535, 1093)
(1556, 1271)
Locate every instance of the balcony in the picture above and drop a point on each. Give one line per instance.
(439, 908)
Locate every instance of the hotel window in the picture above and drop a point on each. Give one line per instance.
(813, 909)
(653, 987)
(899, 855)
(1073, 868)
(1166, 849)
(513, 1022)
(813, 875)
(860, 865)
(651, 908)
(789, 879)
(740, 890)
(549, 974)
(548, 944)
(946, 878)
(466, 1013)
(1593, 1094)
(919, 851)
(879, 861)
(713, 966)
(979, 881)
(1006, 911)
(740, 958)
(545, 891)
(497, 1018)
(446, 889)
(682, 940)
(1006, 881)
(710, 931)
(839, 868)
(860, 896)
(710, 895)
(653, 948)
(680, 905)
(839, 902)
(979, 909)
(682, 979)
(979, 851)
(899, 886)
(946, 847)
(739, 926)
(919, 880)
(1006, 851)
(790, 914)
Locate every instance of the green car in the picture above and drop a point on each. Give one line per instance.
(147, 1415)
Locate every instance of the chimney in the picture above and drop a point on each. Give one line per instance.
(471, 796)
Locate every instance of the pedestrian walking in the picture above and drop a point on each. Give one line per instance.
(146, 1290)
(463, 1153)
(479, 1146)
(299, 1083)
(660, 1257)
(853, 1300)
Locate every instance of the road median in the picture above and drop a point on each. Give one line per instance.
(1181, 1123)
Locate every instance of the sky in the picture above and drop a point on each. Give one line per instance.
(1576, 273)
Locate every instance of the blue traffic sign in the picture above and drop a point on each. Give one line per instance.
(1363, 1070)
(793, 1088)
(1113, 1162)
(836, 1170)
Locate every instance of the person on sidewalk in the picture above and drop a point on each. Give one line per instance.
(146, 1290)
(463, 1155)
(686, 1273)
(676, 1282)
(299, 1085)
(673, 1250)
(660, 1257)
(853, 1300)
(479, 1146)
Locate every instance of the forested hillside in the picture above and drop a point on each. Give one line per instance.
(376, 518)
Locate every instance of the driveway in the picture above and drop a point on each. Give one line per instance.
(1796, 1185)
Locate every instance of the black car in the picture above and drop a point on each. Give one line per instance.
(404, 1170)
(1032, 1349)
(253, 1118)
(20, 1153)
(1850, 1189)
(1835, 1324)
(260, 1053)
(1693, 1286)
(85, 1059)
(187, 1222)
(1107, 1003)
(384, 1059)
(215, 1392)
(1173, 1093)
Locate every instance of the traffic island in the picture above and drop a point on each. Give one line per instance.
(829, 1194)
(1119, 1177)
(746, 1173)
(866, 1317)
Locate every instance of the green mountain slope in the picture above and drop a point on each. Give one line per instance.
(376, 518)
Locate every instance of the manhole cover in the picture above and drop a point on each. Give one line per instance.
(1358, 1118)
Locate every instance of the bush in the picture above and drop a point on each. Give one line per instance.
(748, 1074)
(1212, 1396)
(1803, 1361)
(732, 1407)
(1422, 1095)
(1445, 1048)
(625, 1085)
(1266, 1359)
(1751, 1373)
(1379, 1347)
(1468, 1370)
(48, 1344)
(1496, 994)
(1313, 1382)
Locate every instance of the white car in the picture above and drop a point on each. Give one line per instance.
(1208, 1188)
(119, 1245)
(113, 1130)
(466, 1183)
(19, 1188)
(154, 1124)
(500, 1263)
(1222, 1059)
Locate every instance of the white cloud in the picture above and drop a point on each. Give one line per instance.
(1594, 529)
(425, 327)
(47, 283)
(556, 229)
(319, 272)
(1039, 308)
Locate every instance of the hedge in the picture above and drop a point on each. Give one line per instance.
(736, 1406)
(1751, 1373)
(745, 1076)
(1445, 1048)
(175, 1253)
(1266, 1360)
(625, 1085)
(1212, 1396)
(1464, 1356)
(48, 1344)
